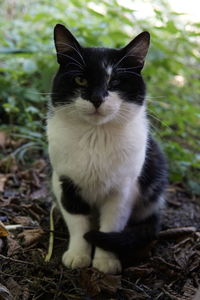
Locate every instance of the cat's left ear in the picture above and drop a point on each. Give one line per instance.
(65, 42)
(138, 47)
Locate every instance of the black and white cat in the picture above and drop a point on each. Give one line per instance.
(101, 151)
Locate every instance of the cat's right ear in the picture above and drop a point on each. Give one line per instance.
(65, 42)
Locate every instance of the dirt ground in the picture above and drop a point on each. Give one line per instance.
(169, 268)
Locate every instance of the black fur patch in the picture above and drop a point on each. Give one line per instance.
(71, 199)
(125, 243)
(154, 177)
(131, 86)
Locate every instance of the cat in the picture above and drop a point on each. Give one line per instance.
(102, 153)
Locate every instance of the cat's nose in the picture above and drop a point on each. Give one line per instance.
(97, 98)
(97, 101)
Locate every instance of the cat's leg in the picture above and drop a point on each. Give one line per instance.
(76, 215)
(114, 215)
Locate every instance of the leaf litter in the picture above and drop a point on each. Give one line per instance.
(169, 268)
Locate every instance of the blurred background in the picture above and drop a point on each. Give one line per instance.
(28, 62)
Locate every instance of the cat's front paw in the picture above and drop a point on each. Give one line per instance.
(106, 262)
(74, 260)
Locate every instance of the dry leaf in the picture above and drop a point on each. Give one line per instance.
(22, 220)
(39, 193)
(31, 236)
(197, 296)
(140, 271)
(3, 231)
(95, 282)
(13, 246)
(39, 165)
(3, 138)
(5, 293)
(14, 287)
(133, 295)
(3, 179)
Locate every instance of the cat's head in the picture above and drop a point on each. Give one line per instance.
(95, 84)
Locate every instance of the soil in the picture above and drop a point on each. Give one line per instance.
(168, 268)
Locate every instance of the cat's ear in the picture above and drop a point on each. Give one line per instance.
(138, 47)
(65, 42)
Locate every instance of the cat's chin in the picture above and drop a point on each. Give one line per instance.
(97, 119)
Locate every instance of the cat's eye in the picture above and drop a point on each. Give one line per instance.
(81, 81)
(114, 82)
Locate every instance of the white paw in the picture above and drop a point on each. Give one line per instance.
(107, 263)
(76, 260)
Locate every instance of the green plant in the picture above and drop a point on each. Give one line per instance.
(28, 63)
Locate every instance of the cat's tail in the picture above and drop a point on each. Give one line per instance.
(127, 241)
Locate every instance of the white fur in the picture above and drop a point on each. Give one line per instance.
(103, 152)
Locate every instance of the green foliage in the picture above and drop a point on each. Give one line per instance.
(172, 70)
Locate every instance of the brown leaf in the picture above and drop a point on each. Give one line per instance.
(39, 165)
(133, 295)
(140, 271)
(39, 193)
(13, 246)
(95, 282)
(5, 293)
(22, 220)
(1, 245)
(3, 179)
(8, 164)
(31, 236)
(3, 231)
(183, 251)
(14, 287)
(174, 233)
(197, 296)
(3, 138)
(173, 295)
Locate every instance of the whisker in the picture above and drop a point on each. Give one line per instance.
(37, 93)
(157, 119)
(130, 68)
(71, 72)
(75, 49)
(129, 72)
(125, 56)
(76, 61)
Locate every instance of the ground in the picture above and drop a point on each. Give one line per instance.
(168, 268)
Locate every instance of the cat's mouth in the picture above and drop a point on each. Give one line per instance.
(96, 113)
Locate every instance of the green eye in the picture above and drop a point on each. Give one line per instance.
(80, 81)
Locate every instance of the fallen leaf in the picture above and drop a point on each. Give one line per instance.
(14, 287)
(22, 220)
(13, 246)
(39, 165)
(197, 296)
(1, 245)
(31, 236)
(183, 251)
(174, 233)
(5, 293)
(3, 231)
(133, 295)
(3, 179)
(140, 271)
(95, 282)
(39, 193)
(3, 138)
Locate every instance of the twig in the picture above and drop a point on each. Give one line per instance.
(16, 260)
(176, 232)
(51, 236)
(14, 226)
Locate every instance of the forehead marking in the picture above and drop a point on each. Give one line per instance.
(109, 70)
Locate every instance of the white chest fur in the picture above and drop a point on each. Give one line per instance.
(98, 158)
